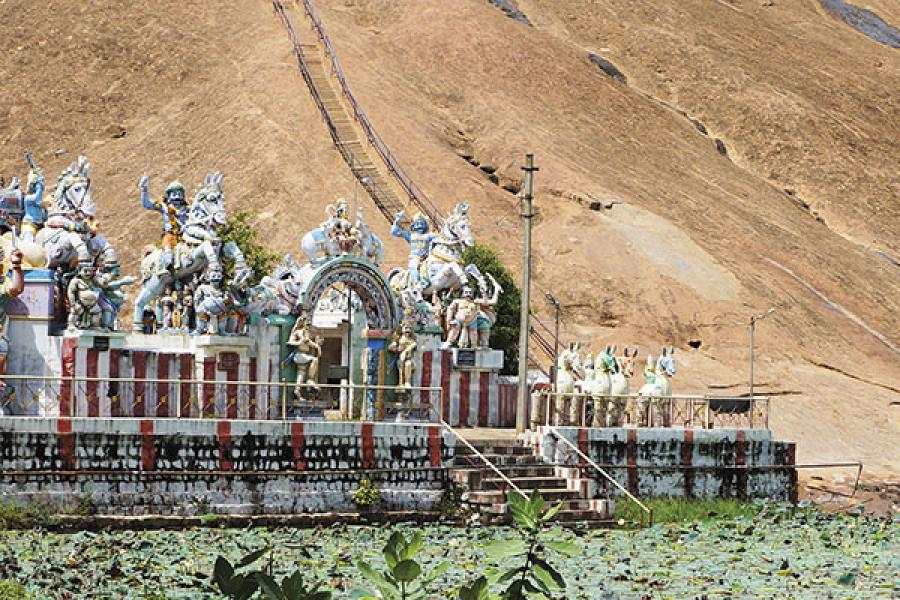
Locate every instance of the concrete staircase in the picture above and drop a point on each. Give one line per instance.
(486, 490)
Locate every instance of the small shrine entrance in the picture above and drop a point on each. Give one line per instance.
(329, 296)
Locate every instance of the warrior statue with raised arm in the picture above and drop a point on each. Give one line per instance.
(173, 207)
(420, 240)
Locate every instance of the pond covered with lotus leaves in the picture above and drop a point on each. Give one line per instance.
(777, 553)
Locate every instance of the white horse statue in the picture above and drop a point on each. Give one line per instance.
(604, 366)
(201, 249)
(69, 235)
(443, 266)
(620, 388)
(657, 388)
(371, 246)
(279, 292)
(568, 373)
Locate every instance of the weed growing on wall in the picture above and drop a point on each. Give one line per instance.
(368, 494)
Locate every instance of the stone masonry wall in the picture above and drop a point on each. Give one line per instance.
(681, 462)
(168, 466)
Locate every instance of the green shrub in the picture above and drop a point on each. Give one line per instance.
(367, 494)
(16, 516)
(505, 332)
(241, 231)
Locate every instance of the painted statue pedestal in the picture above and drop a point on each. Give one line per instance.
(95, 338)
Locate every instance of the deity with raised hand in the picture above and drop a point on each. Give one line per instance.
(420, 240)
(173, 207)
(35, 208)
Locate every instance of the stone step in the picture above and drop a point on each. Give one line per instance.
(514, 471)
(495, 448)
(497, 496)
(496, 459)
(526, 483)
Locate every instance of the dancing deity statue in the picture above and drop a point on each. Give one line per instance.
(307, 351)
(173, 207)
(83, 295)
(209, 300)
(10, 287)
(420, 240)
(406, 346)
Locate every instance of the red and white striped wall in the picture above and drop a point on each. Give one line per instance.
(470, 398)
(135, 397)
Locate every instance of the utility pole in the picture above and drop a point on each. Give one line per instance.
(525, 315)
(753, 321)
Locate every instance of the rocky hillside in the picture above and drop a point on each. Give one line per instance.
(700, 161)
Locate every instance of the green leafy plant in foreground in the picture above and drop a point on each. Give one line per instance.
(534, 576)
(241, 586)
(403, 579)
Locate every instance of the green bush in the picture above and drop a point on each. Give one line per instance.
(16, 516)
(241, 231)
(367, 494)
(505, 333)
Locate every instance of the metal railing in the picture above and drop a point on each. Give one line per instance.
(679, 410)
(587, 459)
(415, 193)
(111, 397)
(509, 482)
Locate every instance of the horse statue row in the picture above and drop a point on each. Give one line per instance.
(606, 381)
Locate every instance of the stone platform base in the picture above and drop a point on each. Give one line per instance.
(744, 463)
(193, 467)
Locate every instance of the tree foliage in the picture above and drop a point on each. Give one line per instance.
(505, 333)
(241, 231)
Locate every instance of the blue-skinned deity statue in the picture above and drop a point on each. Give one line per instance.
(420, 240)
(174, 210)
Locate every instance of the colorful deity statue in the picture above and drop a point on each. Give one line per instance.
(35, 209)
(173, 207)
(420, 240)
(112, 297)
(83, 295)
(405, 345)
(200, 250)
(209, 302)
(185, 316)
(462, 320)
(10, 287)
(166, 305)
(442, 270)
(488, 296)
(305, 356)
